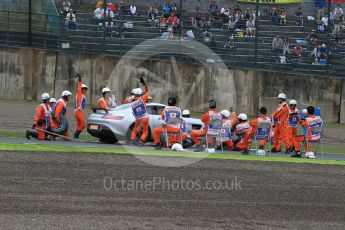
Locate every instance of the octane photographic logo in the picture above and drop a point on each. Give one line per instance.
(166, 78)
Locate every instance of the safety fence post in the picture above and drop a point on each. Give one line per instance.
(30, 24)
(256, 32)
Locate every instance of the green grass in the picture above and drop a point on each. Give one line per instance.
(72, 149)
(17, 134)
(87, 137)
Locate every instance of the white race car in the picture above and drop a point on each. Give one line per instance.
(118, 123)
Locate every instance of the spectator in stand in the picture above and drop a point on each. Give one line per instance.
(109, 18)
(109, 23)
(152, 17)
(112, 6)
(297, 53)
(216, 21)
(299, 16)
(224, 15)
(167, 10)
(338, 11)
(274, 15)
(197, 17)
(312, 37)
(213, 8)
(324, 23)
(232, 25)
(236, 9)
(206, 36)
(247, 14)
(336, 25)
(277, 46)
(98, 15)
(238, 20)
(173, 20)
(174, 9)
(230, 43)
(320, 6)
(205, 23)
(320, 54)
(71, 20)
(282, 17)
(286, 47)
(133, 10)
(250, 28)
(225, 10)
(66, 5)
(123, 7)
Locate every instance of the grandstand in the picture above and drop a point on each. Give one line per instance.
(48, 32)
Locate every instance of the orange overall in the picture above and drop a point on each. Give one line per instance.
(169, 128)
(280, 119)
(308, 122)
(80, 102)
(293, 120)
(42, 114)
(245, 131)
(229, 124)
(255, 124)
(105, 103)
(141, 116)
(60, 109)
(206, 118)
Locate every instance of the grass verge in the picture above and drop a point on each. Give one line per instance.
(17, 134)
(73, 149)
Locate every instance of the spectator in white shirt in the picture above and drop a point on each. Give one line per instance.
(250, 27)
(338, 11)
(98, 15)
(324, 22)
(66, 7)
(133, 10)
(71, 21)
(225, 10)
(110, 17)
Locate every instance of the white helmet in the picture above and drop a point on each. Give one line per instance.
(177, 147)
(292, 102)
(45, 96)
(282, 96)
(137, 91)
(310, 155)
(104, 90)
(225, 113)
(66, 93)
(304, 111)
(52, 100)
(261, 152)
(83, 86)
(186, 112)
(242, 117)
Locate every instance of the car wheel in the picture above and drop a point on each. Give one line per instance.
(129, 133)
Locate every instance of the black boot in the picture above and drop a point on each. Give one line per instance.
(297, 154)
(158, 146)
(31, 133)
(76, 134)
